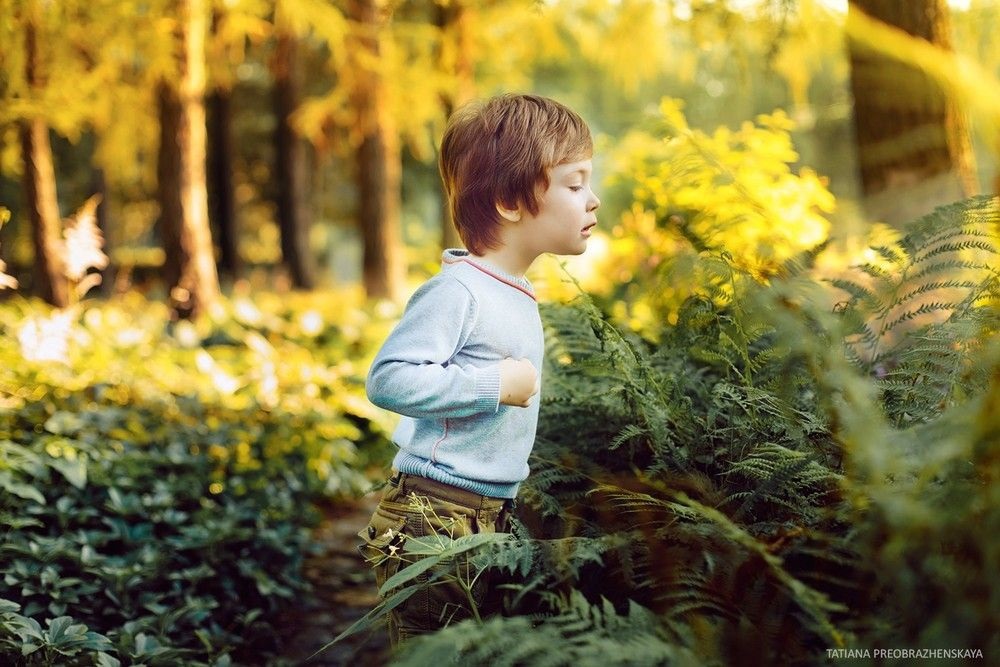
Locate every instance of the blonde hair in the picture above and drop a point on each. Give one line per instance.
(499, 152)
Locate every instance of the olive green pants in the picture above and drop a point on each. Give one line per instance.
(413, 506)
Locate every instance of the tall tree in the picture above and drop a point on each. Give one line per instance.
(190, 261)
(221, 152)
(39, 178)
(913, 141)
(291, 166)
(378, 153)
(455, 21)
(221, 159)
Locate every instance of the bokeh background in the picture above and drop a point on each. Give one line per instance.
(770, 417)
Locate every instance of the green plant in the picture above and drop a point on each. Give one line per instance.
(159, 478)
(752, 471)
(61, 642)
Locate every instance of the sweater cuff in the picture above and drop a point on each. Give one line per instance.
(488, 389)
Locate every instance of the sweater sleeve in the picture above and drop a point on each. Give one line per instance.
(413, 373)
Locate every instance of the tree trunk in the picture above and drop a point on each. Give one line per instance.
(457, 60)
(379, 159)
(168, 173)
(291, 167)
(221, 165)
(43, 210)
(190, 259)
(913, 142)
(40, 189)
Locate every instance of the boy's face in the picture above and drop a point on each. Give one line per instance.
(566, 211)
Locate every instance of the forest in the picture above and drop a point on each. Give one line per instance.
(769, 428)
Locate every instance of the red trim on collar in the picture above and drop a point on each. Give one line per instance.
(490, 273)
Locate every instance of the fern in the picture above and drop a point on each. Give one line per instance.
(946, 257)
(580, 634)
(782, 477)
(763, 475)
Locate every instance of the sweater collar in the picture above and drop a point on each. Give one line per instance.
(454, 256)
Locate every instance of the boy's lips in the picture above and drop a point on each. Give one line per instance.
(588, 229)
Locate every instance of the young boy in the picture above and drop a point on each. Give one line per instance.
(463, 365)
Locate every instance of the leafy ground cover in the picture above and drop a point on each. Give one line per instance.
(159, 478)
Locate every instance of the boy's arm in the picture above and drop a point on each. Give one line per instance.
(413, 374)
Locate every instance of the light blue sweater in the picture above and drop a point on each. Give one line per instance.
(439, 369)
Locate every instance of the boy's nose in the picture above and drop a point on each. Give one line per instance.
(595, 202)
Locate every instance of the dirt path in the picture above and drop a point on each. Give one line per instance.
(343, 592)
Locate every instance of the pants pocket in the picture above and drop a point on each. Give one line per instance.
(381, 544)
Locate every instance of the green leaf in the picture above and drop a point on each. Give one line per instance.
(26, 628)
(74, 470)
(8, 606)
(64, 423)
(20, 489)
(446, 547)
(62, 627)
(409, 573)
(105, 660)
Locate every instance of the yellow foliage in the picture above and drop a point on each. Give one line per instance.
(696, 195)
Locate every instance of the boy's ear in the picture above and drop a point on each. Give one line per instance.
(509, 214)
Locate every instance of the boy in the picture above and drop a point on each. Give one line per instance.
(463, 364)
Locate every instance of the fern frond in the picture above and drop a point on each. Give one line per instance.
(859, 293)
(802, 262)
(552, 483)
(877, 272)
(952, 232)
(923, 309)
(893, 254)
(940, 284)
(956, 247)
(626, 434)
(814, 604)
(780, 473)
(580, 634)
(951, 266)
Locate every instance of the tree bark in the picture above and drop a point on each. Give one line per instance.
(190, 258)
(39, 184)
(222, 149)
(457, 60)
(168, 173)
(43, 210)
(379, 161)
(292, 170)
(913, 143)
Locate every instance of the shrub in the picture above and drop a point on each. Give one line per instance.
(159, 477)
(757, 483)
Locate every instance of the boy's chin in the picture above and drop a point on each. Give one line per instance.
(570, 249)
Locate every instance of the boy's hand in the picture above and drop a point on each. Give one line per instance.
(519, 381)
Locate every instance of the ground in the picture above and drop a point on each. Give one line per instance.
(343, 592)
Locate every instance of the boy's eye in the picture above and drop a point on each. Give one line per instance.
(576, 188)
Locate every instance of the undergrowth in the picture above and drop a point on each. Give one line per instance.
(773, 478)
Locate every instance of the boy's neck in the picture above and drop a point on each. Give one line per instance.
(508, 259)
